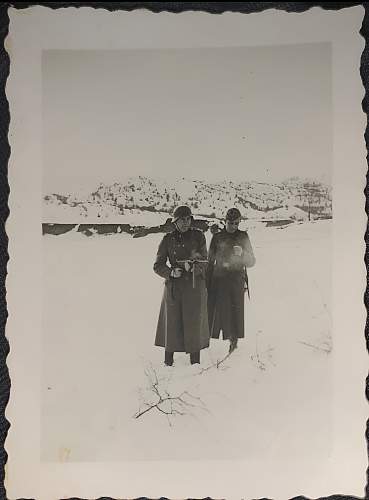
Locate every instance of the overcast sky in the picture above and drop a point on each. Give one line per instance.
(241, 114)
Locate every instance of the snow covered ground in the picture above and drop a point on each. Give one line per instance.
(101, 305)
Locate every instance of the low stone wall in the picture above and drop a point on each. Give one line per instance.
(101, 228)
(87, 229)
(139, 231)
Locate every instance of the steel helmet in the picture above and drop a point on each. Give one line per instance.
(182, 211)
(233, 214)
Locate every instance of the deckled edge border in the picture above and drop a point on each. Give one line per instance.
(174, 7)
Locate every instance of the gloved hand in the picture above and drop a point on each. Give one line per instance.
(176, 272)
(188, 266)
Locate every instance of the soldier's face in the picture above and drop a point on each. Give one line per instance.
(232, 225)
(184, 224)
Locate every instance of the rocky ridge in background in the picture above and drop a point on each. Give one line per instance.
(294, 198)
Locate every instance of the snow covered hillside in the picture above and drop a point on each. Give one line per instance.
(101, 306)
(112, 203)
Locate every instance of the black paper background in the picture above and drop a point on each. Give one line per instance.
(213, 7)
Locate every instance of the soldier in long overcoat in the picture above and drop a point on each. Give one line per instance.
(183, 318)
(230, 254)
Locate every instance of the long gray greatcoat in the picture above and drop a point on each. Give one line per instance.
(183, 318)
(227, 280)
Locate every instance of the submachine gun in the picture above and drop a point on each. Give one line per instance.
(193, 263)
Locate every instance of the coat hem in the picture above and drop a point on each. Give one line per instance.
(183, 350)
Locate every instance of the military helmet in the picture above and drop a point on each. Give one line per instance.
(182, 211)
(233, 214)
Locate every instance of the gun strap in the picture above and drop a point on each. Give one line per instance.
(247, 283)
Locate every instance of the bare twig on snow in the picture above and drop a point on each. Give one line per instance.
(165, 403)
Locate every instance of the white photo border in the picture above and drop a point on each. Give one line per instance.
(38, 28)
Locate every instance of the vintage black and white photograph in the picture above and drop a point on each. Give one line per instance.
(187, 223)
(188, 219)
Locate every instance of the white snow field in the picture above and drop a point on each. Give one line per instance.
(270, 399)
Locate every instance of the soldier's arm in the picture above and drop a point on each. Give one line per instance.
(202, 254)
(202, 249)
(248, 253)
(160, 265)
